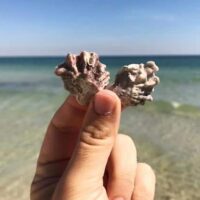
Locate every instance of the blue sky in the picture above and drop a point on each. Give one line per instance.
(55, 27)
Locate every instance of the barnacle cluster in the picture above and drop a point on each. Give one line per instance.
(134, 83)
(84, 75)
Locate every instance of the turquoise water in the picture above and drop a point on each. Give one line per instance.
(166, 132)
(180, 75)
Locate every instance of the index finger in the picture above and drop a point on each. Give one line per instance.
(57, 147)
(62, 132)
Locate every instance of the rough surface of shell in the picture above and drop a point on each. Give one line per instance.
(83, 75)
(134, 83)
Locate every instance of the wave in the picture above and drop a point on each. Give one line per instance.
(172, 107)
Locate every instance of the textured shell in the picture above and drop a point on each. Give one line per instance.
(83, 75)
(134, 83)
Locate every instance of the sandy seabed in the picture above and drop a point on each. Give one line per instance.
(166, 138)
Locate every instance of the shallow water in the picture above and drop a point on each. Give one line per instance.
(169, 140)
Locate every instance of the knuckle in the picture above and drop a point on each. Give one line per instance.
(97, 134)
(128, 142)
(148, 170)
(126, 139)
(96, 130)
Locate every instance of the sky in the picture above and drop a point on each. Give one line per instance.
(109, 27)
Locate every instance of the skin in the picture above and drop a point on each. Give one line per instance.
(84, 157)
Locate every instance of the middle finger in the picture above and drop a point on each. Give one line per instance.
(122, 168)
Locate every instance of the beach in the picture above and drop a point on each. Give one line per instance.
(165, 132)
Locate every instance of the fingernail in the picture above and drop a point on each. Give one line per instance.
(104, 102)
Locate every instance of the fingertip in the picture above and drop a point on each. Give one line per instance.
(70, 113)
(109, 93)
(144, 182)
(103, 96)
(105, 102)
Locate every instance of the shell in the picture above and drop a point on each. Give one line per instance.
(134, 83)
(83, 75)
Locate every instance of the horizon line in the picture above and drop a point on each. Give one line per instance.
(102, 55)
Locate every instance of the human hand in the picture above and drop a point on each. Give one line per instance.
(84, 158)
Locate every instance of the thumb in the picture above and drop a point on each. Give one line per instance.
(97, 138)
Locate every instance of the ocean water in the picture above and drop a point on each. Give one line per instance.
(166, 132)
(180, 75)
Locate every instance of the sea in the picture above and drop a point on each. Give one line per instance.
(180, 75)
(166, 132)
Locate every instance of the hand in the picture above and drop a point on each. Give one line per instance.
(83, 157)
